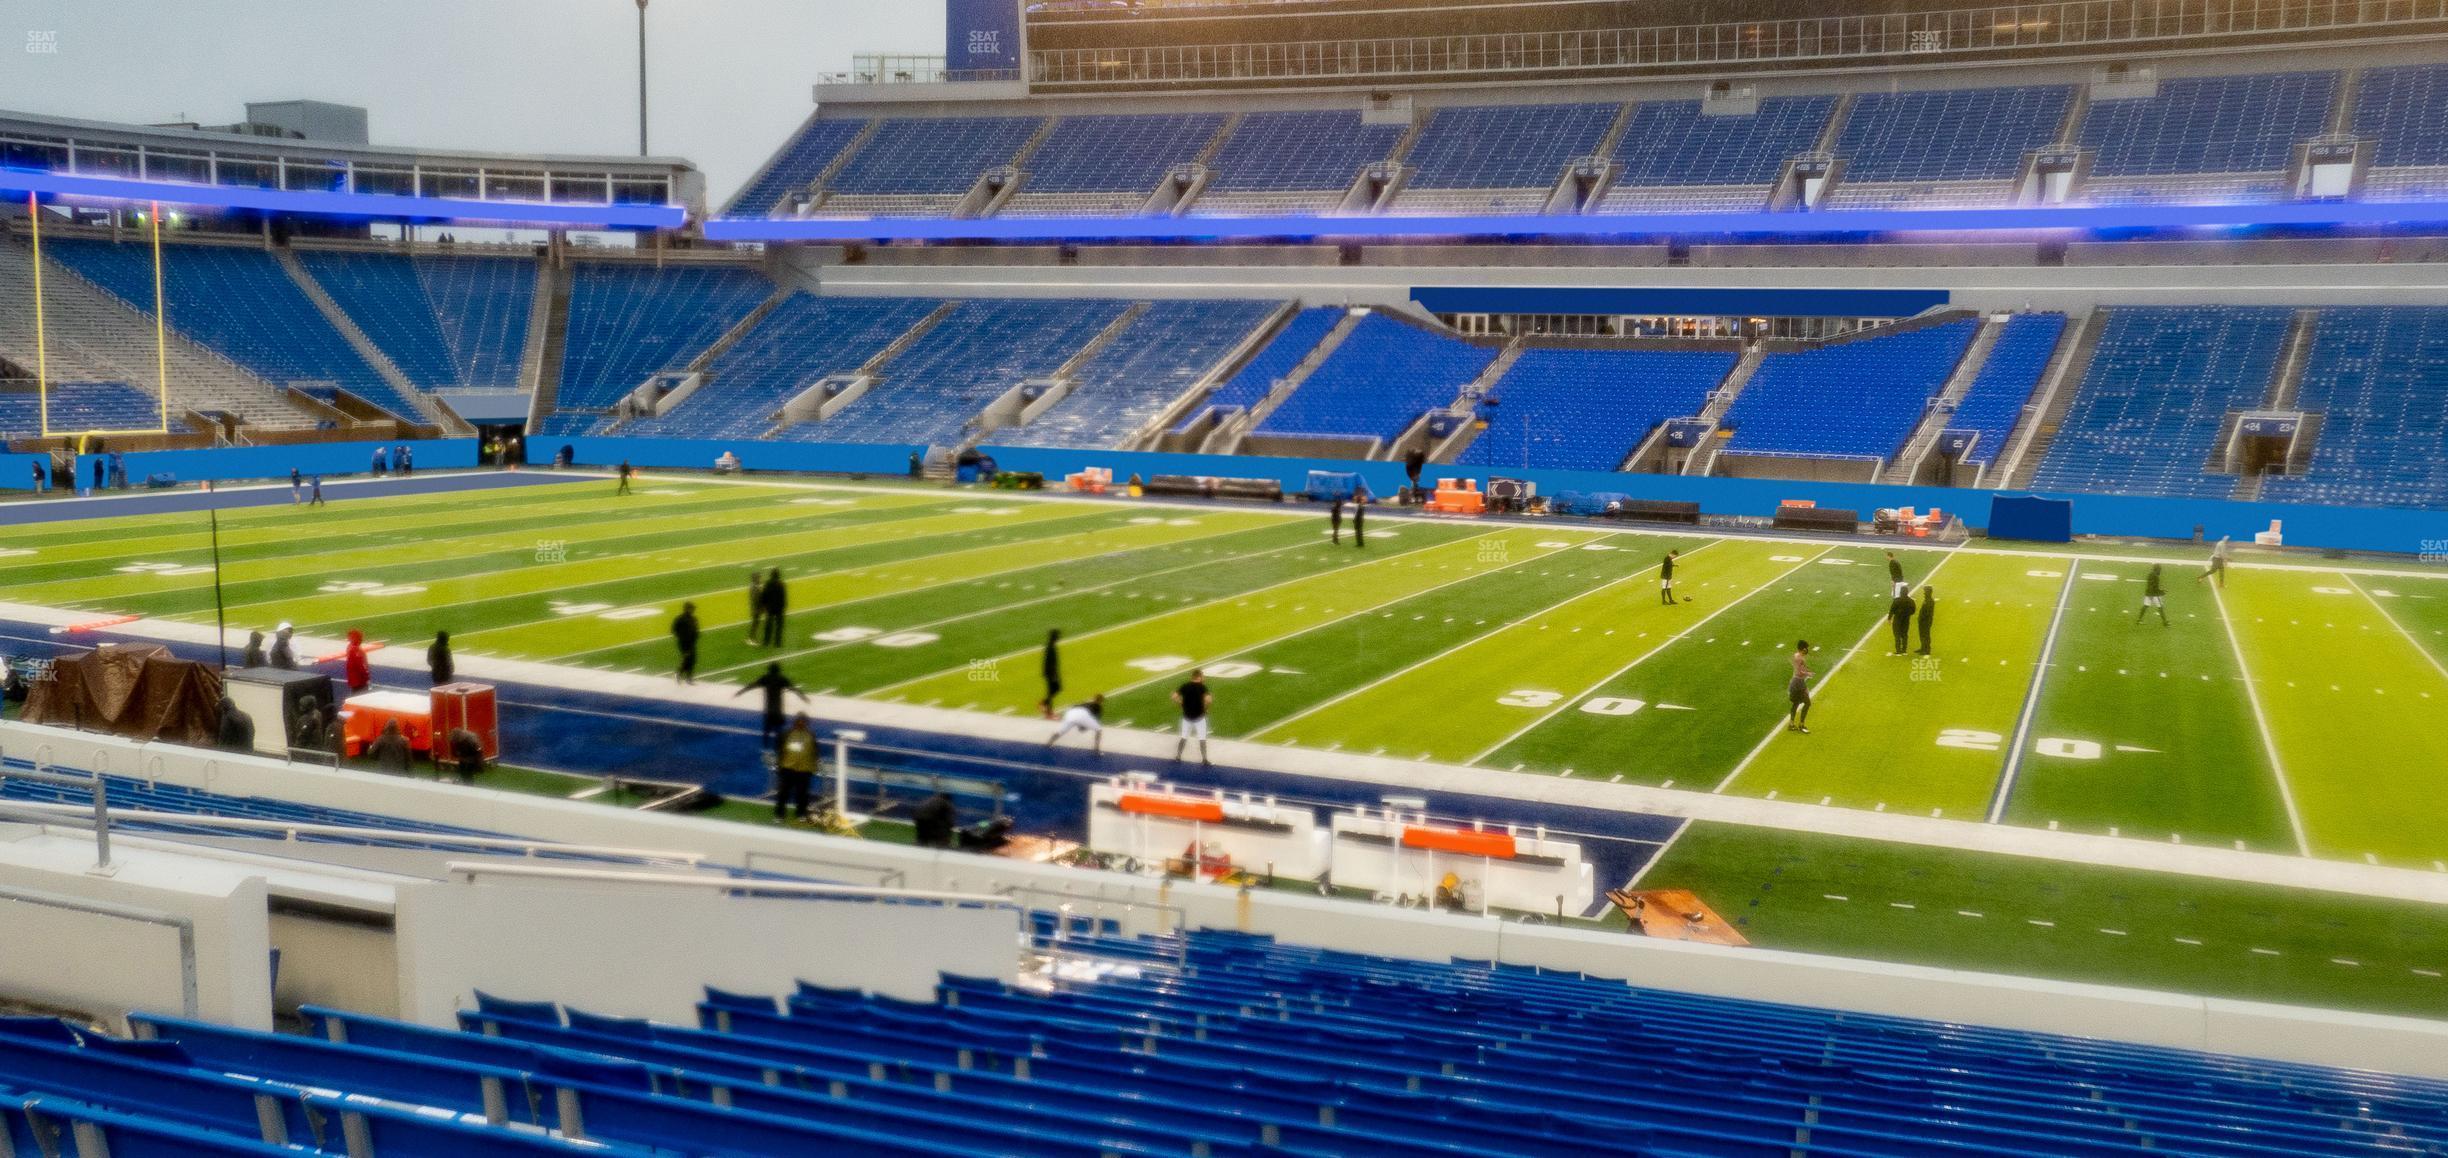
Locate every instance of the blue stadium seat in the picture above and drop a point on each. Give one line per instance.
(1283, 162)
(2161, 383)
(1286, 350)
(933, 154)
(2404, 112)
(790, 349)
(1858, 398)
(444, 321)
(131, 796)
(1235, 1044)
(1498, 159)
(1672, 155)
(1164, 352)
(629, 320)
(2378, 378)
(1379, 381)
(1945, 147)
(2204, 137)
(929, 393)
(1563, 409)
(136, 1135)
(2005, 383)
(1122, 153)
(795, 168)
(238, 300)
(78, 406)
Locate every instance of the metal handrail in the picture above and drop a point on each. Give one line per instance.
(91, 782)
(1946, 34)
(886, 878)
(292, 830)
(812, 890)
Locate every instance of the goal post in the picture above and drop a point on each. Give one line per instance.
(42, 336)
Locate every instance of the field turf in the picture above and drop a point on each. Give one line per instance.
(1829, 894)
(2297, 710)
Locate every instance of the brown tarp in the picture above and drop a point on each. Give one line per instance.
(137, 690)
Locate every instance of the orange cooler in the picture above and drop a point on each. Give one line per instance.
(470, 706)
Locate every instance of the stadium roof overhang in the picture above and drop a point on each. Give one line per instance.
(322, 203)
(1830, 225)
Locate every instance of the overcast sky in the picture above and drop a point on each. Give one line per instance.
(729, 78)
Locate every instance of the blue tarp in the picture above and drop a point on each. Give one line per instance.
(2032, 518)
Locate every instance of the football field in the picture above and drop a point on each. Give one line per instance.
(2302, 708)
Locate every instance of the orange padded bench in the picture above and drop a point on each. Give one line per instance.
(1458, 496)
(1466, 841)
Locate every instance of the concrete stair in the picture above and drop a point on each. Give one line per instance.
(91, 334)
(426, 411)
(1916, 450)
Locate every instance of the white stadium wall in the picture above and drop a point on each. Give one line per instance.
(641, 951)
(109, 943)
(2324, 1037)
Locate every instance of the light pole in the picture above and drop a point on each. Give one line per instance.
(220, 611)
(641, 77)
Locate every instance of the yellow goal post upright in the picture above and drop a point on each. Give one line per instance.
(42, 352)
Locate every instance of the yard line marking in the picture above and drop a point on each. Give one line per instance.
(1664, 848)
(1644, 657)
(1876, 626)
(1242, 600)
(2410, 638)
(877, 572)
(794, 558)
(1391, 676)
(2269, 743)
(807, 525)
(998, 609)
(384, 524)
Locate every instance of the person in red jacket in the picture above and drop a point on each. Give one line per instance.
(354, 666)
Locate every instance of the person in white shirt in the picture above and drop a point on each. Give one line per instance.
(1088, 717)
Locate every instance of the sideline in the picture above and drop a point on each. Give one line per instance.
(1417, 777)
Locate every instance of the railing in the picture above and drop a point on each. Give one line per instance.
(811, 890)
(92, 782)
(907, 69)
(2064, 24)
(886, 878)
(294, 830)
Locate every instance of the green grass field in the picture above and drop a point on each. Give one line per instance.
(2299, 710)
(2002, 914)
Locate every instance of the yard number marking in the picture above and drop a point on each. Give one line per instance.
(361, 587)
(1975, 740)
(601, 611)
(877, 636)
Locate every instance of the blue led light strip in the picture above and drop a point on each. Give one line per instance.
(1834, 223)
(328, 204)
